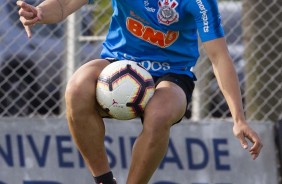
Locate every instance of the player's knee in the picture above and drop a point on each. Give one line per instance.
(156, 129)
(73, 90)
(158, 122)
(164, 116)
(77, 100)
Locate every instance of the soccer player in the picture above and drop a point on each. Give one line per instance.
(162, 36)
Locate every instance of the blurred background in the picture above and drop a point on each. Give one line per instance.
(34, 72)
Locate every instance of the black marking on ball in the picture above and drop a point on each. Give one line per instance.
(128, 70)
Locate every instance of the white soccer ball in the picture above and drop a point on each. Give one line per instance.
(123, 89)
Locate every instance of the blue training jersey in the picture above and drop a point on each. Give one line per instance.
(161, 35)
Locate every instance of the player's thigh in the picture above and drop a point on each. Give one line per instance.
(81, 87)
(89, 72)
(167, 106)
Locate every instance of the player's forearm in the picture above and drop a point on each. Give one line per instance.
(229, 85)
(54, 11)
(226, 76)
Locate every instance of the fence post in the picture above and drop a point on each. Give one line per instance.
(72, 56)
(279, 145)
(200, 97)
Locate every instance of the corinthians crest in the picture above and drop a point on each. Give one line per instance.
(167, 13)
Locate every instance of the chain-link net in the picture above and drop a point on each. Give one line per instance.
(32, 71)
(253, 32)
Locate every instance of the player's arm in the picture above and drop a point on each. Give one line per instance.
(228, 82)
(49, 11)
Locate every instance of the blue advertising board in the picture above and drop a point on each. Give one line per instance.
(41, 151)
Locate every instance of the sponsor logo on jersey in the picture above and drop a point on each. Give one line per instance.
(167, 13)
(150, 34)
(205, 19)
(147, 6)
(155, 65)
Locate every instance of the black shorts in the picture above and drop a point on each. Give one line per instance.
(185, 82)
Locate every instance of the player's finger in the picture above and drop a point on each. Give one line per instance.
(257, 146)
(255, 140)
(254, 155)
(19, 3)
(26, 27)
(30, 22)
(24, 5)
(26, 14)
(28, 31)
(243, 141)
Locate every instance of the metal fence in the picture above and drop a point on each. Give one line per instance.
(34, 72)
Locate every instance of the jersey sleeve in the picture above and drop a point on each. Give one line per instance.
(207, 18)
(90, 1)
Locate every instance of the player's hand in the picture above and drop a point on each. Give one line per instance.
(243, 131)
(29, 15)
